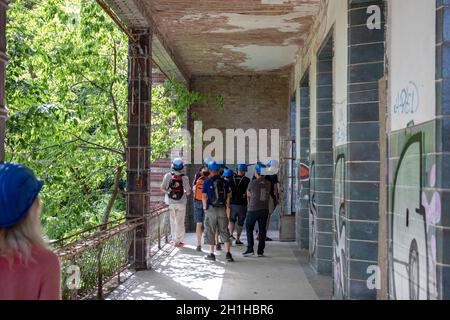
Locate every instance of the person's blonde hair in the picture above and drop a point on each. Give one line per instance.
(22, 237)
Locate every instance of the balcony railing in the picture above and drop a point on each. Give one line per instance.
(98, 259)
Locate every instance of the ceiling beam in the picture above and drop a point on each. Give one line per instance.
(134, 14)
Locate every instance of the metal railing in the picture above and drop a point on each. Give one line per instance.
(98, 259)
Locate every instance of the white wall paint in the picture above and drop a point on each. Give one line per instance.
(412, 38)
(336, 15)
(313, 103)
(265, 58)
(340, 65)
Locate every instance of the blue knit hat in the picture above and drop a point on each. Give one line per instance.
(19, 189)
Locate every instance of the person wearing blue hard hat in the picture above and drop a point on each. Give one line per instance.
(28, 270)
(238, 213)
(272, 176)
(242, 167)
(216, 200)
(228, 173)
(258, 193)
(199, 214)
(176, 188)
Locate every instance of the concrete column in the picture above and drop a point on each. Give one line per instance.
(443, 147)
(304, 146)
(356, 217)
(138, 142)
(3, 62)
(321, 185)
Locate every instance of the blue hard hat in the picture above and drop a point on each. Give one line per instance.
(19, 189)
(259, 167)
(228, 173)
(177, 165)
(242, 167)
(214, 166)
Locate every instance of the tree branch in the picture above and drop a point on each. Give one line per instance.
(114, 102)
(113, 198)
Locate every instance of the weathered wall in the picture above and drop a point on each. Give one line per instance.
(418, 239)
(259, 102)
(347, 136)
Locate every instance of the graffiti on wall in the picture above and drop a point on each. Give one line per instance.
(407, 100)
(312, 213)
(339, 247)
(412, 85)
(415, 212)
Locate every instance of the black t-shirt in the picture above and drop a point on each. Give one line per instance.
(273, 180)
(238, 187)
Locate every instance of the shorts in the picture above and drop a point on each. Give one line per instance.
(216, 219)
(199, 213)
(238, 213)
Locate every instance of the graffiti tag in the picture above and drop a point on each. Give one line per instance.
(407, 100)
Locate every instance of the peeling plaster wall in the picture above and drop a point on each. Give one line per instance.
(236, 37)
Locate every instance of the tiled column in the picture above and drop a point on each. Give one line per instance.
(321, 186)
(303, 226)
(3, 63)
(362, 170)
(138, 142)
(443, 146)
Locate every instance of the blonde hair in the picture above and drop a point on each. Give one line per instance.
(22, 237)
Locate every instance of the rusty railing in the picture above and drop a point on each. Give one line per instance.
(98, 259)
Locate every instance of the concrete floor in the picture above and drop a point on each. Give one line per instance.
(184, 274)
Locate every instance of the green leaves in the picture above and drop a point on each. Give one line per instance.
(67, 95)
(61, 117)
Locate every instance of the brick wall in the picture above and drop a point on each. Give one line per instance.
(259, 102)
(158, 169)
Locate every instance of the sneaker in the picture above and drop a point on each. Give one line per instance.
(211, 257)
(239, 243)
(199, 248)
(248, 253)
(229, 257)
(232, 237)
(260, 255)
(268, 239)
(218, 247)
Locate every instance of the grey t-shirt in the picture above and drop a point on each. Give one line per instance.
(260, 194)
(165, 186)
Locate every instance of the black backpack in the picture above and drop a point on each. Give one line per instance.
(219, 194)
(176, 190)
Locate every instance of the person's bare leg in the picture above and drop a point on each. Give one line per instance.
(231, 228)
(228, 246)
(239, 232)
(199, 233)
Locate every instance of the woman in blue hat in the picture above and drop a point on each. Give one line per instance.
(28, 270)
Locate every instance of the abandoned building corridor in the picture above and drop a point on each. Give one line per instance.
(184, 274)
(356, 97)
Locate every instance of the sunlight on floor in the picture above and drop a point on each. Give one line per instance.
(203, 277)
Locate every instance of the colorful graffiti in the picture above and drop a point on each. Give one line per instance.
(412, 225)
(339, 246)
(312, 213)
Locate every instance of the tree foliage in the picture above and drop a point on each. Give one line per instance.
(66, 94)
